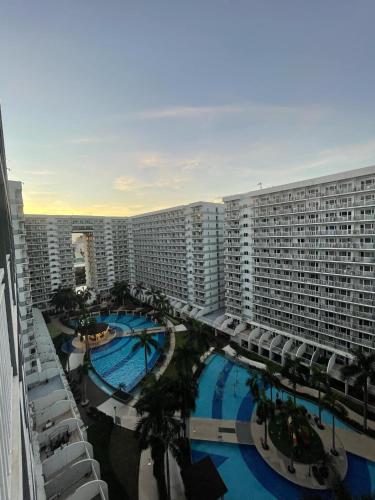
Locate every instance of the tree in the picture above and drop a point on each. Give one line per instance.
(266, 408)
(269, 378)
(146, 342)
(185, 357)
(253, 383)
(198, 335)
(318, 380)
(184, 389)
(294, 417)
(331, 402)
(362, 370)
(157, 429)
(120, 291)
(85, 371)
(292, 369)
(138, 290)
(63, 299)
(82, 297)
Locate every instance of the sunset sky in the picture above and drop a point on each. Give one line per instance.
(120, 107)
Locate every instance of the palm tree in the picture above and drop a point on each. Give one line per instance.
(63, 299)
(266, 408)
(146, 342)
(293, 415)
(292, 369)
(184, 389)
(318, 380)
(138, 290)
(185, 357)
(157, 429)
(120, 290)
(163, 306)
(269, 377)
(82, 296)
(198, 335)
(253, 383)
(362, 370)
(85, 372)
(331, 402)
(154, 295)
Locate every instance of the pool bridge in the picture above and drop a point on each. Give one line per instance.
(218, 430)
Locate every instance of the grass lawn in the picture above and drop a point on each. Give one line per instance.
(181, 339)
(309, 453)
(116, 449)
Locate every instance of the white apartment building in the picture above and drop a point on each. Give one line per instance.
(300, 268)
(51, 254)
(43, 449)
(179, 251)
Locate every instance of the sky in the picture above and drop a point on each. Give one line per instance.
(119, 107)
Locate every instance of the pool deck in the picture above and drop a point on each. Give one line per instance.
(356, 443)
(217, 430)
(303, 475)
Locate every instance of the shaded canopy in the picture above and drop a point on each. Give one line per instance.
(202, 481)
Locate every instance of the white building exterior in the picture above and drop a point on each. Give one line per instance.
(43, 449)
(299, 267)
(179, 251)
(51, 254)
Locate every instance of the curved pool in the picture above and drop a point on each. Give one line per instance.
(223, 394)
(119, 366)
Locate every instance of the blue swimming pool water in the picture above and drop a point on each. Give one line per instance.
(223, 394)
(248, 477)
(118, 365)
(125, 322)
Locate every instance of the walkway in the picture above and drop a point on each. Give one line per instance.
(64, 329)
(303, 475)
(356, 443)
(225, 431)
(303, 390)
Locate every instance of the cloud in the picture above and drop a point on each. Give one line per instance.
(306, 112)
(131, 184)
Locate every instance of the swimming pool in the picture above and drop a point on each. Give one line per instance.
(119, 366)
(125, 323)
(248, 477)
(223, 394)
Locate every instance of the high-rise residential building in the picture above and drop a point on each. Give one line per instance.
(44, 452)
(299, 267)
(180, 252)
(107, 247)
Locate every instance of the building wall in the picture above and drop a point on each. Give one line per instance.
(300, 259)
(179, 252)
(51, 253)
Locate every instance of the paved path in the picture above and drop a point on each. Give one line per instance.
(356, 443)
(303, 475)
(64, 329)
(302, 389)
(225, 431)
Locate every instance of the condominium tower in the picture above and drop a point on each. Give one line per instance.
(299, 267)
(178, 251)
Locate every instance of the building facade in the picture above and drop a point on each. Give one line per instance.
(300, 267)
(44, 453)
(179, 251)
(51, 253)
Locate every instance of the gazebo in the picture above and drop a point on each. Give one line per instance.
(92, 334)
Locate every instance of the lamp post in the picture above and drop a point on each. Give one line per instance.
(114, 409)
